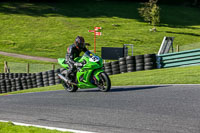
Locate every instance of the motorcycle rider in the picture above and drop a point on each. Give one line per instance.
(74, 51)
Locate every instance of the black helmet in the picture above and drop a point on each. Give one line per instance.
(79, 42)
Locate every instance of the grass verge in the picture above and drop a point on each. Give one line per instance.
(9, 127)
(178, 75)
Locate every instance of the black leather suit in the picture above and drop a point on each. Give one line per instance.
(72, 53)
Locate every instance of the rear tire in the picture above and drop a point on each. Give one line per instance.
(69, 88)
(104, 83)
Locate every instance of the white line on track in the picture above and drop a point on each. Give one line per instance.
(47, 127)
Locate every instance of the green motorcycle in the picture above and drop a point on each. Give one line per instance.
(91, 75)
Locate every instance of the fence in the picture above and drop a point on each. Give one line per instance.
(183, 58)
(16, 67)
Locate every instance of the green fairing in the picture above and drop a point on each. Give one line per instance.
(96, 73)
(61, 61)
(87, 71)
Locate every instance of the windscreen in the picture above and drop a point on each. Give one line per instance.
(88, 54)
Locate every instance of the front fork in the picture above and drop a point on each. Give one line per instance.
(97, 75)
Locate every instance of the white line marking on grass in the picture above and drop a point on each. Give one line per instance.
(47, 127)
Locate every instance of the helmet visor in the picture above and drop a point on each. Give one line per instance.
(81, 45)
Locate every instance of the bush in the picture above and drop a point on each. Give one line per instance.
(150, 12)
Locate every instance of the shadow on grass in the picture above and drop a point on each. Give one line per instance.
(180, 26)
(184, 33)
(84, 9)
(171, 16)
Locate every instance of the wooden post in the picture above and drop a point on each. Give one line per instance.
(28, 68)
(177, 48)
(5, 66)
(53, 66)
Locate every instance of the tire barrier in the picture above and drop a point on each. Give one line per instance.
(10, 82)
(131, 64)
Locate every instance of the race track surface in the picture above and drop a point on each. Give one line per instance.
(139, 109)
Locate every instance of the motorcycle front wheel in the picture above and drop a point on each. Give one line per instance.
(104, 83)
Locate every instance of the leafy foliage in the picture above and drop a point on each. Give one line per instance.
(150, 12)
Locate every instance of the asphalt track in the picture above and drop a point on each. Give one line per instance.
(139, 109)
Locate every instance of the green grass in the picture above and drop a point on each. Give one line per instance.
(46, 29)
(179, 75)
(9, 127)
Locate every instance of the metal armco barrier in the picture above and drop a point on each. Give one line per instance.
(184, 58)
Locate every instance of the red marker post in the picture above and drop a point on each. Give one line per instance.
(95, 34)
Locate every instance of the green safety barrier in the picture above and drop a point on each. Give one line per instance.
(184, 58)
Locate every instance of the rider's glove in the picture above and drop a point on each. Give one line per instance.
(78, 64)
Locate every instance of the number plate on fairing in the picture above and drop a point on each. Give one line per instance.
(94, 59)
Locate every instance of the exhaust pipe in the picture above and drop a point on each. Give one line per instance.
(66, 80)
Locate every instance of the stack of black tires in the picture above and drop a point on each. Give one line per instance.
(13, 85)
(8, 85)
(108, 68)
(39, 80)
(115, 67)
(131, 64)
(150, 61)
(139, 60)
(122, 65)
(18, 84)
(45, 78)
(29, 82)
(33, 80)
(3, 86)
(51, 76)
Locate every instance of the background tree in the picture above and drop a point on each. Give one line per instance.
(150, 12)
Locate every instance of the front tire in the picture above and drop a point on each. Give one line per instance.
(104, 83)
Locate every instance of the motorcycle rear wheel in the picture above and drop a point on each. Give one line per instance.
(69, 88)
(104, 83)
